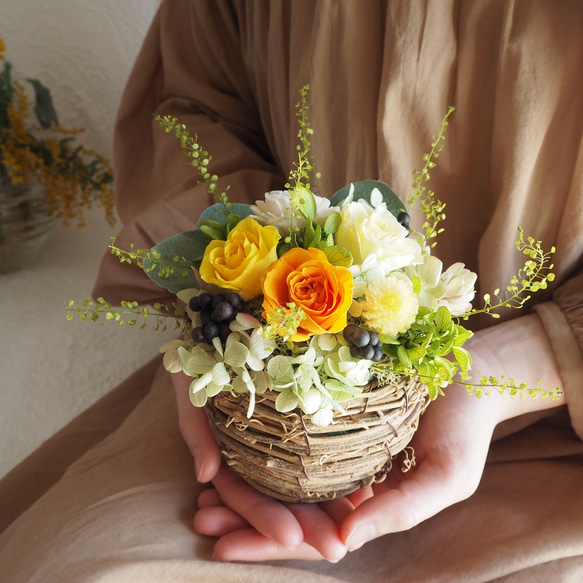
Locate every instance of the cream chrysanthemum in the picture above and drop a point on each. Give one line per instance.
(391, 305)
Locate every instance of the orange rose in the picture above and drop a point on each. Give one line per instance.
(306, 278)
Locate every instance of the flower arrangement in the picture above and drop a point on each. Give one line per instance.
(314, 298)
(71, 176)
(315, 330)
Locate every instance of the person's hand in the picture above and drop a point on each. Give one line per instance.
(264, 527)
(450, 449)
(195, 431)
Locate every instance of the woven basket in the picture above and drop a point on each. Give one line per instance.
(287, 457)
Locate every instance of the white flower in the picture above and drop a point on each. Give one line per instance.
(365, 230)
(275, 210)
(171, 359)
(459, 289)
(348, 372)
(391, 305)
(366, 273)
(429, 274)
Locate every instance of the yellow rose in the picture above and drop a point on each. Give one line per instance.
(322, 290)
(240, 262)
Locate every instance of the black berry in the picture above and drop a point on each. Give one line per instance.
(360, 337)
(211, 331)
(198, 335)
(235, 300)
(204, 300)
(222, 312)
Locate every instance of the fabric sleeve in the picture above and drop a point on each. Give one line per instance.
(190, 67)
(563, 321)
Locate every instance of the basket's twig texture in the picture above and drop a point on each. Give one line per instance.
(287, 457)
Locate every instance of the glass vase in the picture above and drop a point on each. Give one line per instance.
(25, 225)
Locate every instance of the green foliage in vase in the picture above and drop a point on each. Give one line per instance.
(39, 149)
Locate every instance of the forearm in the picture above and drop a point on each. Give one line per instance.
(519, 349)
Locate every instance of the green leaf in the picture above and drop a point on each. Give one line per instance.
(218, 213)
(213, 229)
(417, 286)
(43, 107)
(232, 221)
(432, 389)
(463, 358)
(283, 247)
(403, 356)
(461, 335)
(446, 348)
(162, 268)
(332, 223)
(303, 200)
(386, 339)
(416, 353)
(365, 190)
(338, 255)
(443, 319)
(312, 235)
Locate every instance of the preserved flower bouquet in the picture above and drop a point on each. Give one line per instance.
(316, 331)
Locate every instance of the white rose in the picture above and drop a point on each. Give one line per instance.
(459, 289)
(275, 210)
(365, 230)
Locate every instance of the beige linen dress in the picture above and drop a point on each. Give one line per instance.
(111, 498)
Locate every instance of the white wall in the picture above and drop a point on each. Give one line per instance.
(50, 369)
(82, 50)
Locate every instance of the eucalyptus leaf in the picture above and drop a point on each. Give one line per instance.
(218, 212)
(369, 190)
(170, 263)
